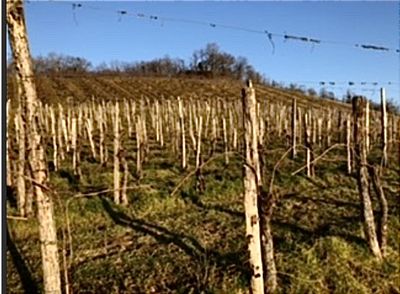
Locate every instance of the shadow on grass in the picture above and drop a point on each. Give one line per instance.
(72, 179)
(328, 201)
(336, 226)
(28, 283)
(187, 243)
(307, 235)
(195, 200)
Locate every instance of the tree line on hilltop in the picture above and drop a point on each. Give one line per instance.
(208, 62)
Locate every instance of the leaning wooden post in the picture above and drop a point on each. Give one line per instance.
(128, 117)
(21, 164)
(182, 127)
(251, 179)
(139, 145)
(156, 120)
(89, 129)
(328, 129)
(101, 136)
(383, 220)
(362, 175)
(225, 137)
(191, 132)
(367, 139)
(59, 133)
(214, 134)
(74, 137)
(54, 136)
(145, 142)
(348, 146)
(294, 127)
(161, 126)
(319, 128)
(124, 163)
(307, 138)
(308, 144)
(65, 131)
(398, 139)
(198, 145)
(384, 121)
(24, 70)
(117, 177)
(8, 139)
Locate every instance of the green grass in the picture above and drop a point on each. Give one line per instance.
(194, 242)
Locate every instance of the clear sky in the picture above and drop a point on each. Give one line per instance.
(96, 32)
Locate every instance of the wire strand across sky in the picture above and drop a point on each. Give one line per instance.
(270, 35)
(286, 41)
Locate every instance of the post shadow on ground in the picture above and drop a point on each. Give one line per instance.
(28, 283)
(195, 200)
(329, 201)
(188, 244)
(335, 227)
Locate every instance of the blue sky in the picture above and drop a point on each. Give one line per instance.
(95, 32)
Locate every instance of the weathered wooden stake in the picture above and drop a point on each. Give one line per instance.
(225, 137)
(328, 129)
(24, 69)
(8, 150)
(138, 146)
(89, 129)
(294, 127)
(362, 175)
(101, 136)
(182, 127)
(54, 136)
(308, 144)
(117, 177)
(124, 163)
(384, 122)
(74, 145)
(367, 139)
(251, 181)
(59, 133)
(128, 118)
(382, 222)
(198, 148)
(348, 146)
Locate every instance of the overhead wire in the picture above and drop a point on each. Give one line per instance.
(270, 35)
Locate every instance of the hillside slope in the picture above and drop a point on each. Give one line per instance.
(183, 231)
(81, 88)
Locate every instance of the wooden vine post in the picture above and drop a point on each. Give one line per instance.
(224, 132)
(139, 146)
(383, 220)
(21, 164)
(384, 121)
(8, 150)
(348, 146)
(362, 175)
(54, 137)
(117, 176)
(367, 123)
(59, 133)
(74, 139)
(182, 128)
(294, 127)
(36, 157)
(308, 144)
(251, 180)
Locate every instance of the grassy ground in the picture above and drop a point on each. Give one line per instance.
(194, 242)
